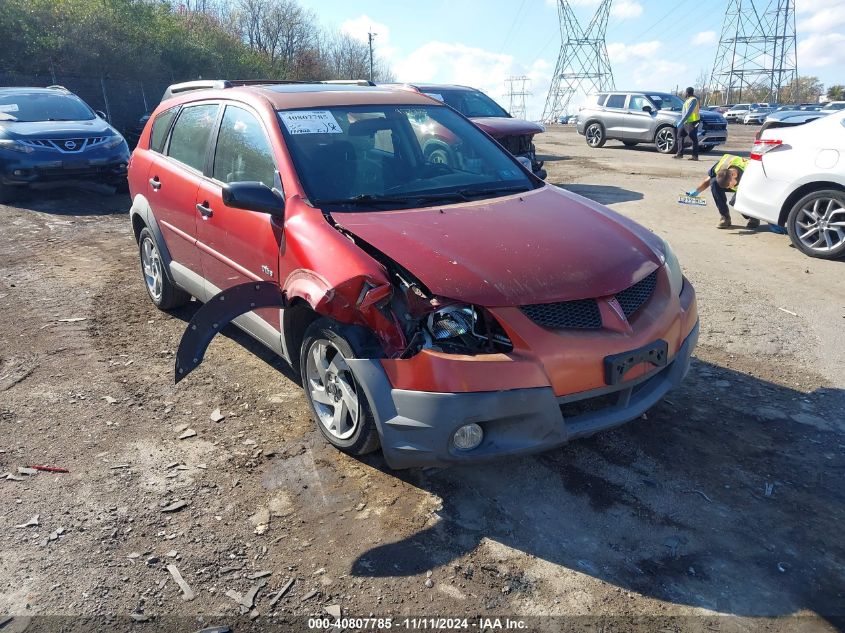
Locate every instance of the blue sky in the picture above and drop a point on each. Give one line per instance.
(652, 43)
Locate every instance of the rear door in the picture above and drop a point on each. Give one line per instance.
(236, 245)
(174, 178)
(615, 114)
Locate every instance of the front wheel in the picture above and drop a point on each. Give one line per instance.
(595, 135)
(664, 140)
(816, 224)
(339, 404)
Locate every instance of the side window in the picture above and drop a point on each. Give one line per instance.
(189, 140)
(602, 99)
(638, 102)
(161, 126)
(243, 151)
(615, 101)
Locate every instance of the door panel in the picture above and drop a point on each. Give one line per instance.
(639, 125)
(614, 115)
(236, 245)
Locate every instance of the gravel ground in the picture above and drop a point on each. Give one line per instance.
(720, 510)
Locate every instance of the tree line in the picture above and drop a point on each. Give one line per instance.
(178, 40)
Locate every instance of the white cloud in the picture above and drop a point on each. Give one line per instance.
(822, 49)
(824, 19)
(623, 53)
(704, 37)
(359, 28)
(454, 63)
(621, 9)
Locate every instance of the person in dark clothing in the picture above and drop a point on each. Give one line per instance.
(688, 126)
(724, 177)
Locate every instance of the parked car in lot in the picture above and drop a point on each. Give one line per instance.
(790, 118)
(644, 117)
(738, 112)
(49, 136)
(756, 116)
(515, 135)
(796, 179)
(448, 312)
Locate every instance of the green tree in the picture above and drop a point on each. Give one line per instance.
(836, 92)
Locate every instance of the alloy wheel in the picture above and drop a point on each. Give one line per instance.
(151, 265)
(594, 134)
(332, 389)
(820, 224)
(665, 140)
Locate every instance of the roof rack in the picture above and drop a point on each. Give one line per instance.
(222, 84)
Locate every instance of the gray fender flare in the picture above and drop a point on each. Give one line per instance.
(141, 208)
(217, 313)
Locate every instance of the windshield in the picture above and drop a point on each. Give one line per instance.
(43, 106)
(470, 103)
(379, 157)
(667, 102)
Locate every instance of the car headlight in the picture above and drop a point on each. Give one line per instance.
(464, 328)
(112, 142)
(673, 268)
(15, 146)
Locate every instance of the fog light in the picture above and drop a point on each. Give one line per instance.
(468, 437)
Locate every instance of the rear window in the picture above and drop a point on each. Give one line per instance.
(602, 99)
(161, 126)
(189, 140)
(616, 101)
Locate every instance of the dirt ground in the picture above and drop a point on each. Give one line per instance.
(721, 510)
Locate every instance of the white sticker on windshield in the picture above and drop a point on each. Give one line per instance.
(9, 107)
(310, 122)
(434, 95)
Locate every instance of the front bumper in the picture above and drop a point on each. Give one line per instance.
(40, 169)
(416, 427)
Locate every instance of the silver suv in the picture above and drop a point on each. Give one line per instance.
(644, 117)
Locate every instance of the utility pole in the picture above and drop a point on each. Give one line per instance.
(757, 49)
(370, 36)
(582, 65)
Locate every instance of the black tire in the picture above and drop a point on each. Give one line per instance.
(164, 294)
(342, 340)
(630, 143)
(662, 139)
(829, 207)
(595, 135)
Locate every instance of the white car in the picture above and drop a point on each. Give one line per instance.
(796, 179)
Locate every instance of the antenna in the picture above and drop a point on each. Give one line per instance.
(582, 65)
(370, 36)
(516, 95)
(757, 55)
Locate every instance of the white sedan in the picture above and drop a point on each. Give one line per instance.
(796, 179)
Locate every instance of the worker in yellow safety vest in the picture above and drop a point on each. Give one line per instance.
(724, 177)
(688, 126)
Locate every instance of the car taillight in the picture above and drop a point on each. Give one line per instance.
(763, 145)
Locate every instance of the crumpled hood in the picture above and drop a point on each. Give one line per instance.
(56, 129)
(504, 126)
(538, 247)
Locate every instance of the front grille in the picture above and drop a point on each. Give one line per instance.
(66, 145)
(589, 405)
(631, 299)
(582, 314)
(516, 144)
(715, 126)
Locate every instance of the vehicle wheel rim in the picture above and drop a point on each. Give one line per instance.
(593, 135)
(151, 265)
(332, 389)
(665, 140)
(820, 224)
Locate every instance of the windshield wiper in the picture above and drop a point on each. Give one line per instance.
(366, 199)
(493, 191)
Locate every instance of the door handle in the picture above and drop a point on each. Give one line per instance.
(155, 183)
(205, 210)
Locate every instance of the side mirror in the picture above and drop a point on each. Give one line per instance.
(254, 196)
(101, 114)
(647, 108)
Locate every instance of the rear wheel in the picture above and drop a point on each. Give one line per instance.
(816, 224)
(339, 404)
(595, 135)
(160, 287)
(664, 140)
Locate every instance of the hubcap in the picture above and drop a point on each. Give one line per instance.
(151, 265)
(665, 140)
(333, 390)
(820, 225)
(594, 134)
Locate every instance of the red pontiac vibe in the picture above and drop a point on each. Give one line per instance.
(446, 312)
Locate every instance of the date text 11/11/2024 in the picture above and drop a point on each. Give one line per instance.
(417, 624)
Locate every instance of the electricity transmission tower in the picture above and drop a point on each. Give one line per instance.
(516, 96)
(582, 65)
(757, 55)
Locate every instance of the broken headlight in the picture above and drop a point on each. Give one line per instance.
(673, 268)
(465, 329)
